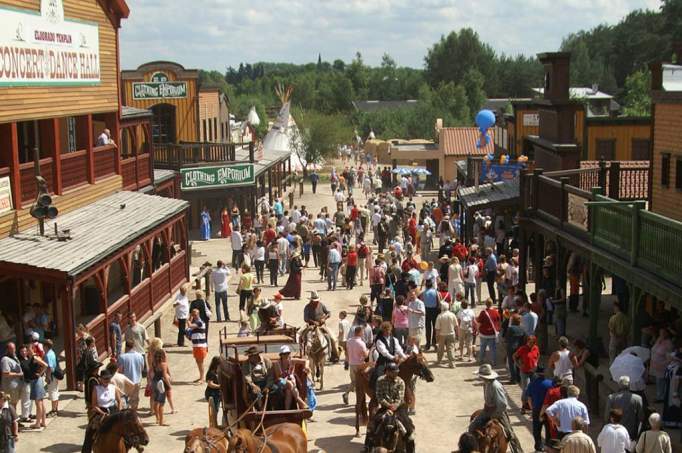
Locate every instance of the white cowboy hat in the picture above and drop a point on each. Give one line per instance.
(486, 372)
(284, 349)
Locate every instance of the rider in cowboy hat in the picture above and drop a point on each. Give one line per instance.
(315, 314)
(495, 406)
(257, 372)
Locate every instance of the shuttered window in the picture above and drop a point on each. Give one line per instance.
(640, 149)
(606, 149)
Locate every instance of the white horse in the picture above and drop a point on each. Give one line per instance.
(316, 347)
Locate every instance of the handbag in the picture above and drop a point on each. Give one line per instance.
(497, 335)
(160, 386)
(148, 390)
(58, 373)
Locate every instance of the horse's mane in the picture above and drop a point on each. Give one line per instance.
(111, 420)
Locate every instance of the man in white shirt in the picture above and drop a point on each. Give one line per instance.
(104, 138)
(220, 277)
(334, 263)
(295, 215)
(283, 253)
(446, 328)
(416, 318)
(614, 438)
(320, 225)
(237, 248)
(565, 410)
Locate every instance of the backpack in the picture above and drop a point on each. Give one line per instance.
(362, 252)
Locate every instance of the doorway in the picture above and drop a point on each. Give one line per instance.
(432, 165)
(163, 123)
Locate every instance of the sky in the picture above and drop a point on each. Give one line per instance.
(215, 34)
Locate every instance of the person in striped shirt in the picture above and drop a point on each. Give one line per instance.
(197, 334)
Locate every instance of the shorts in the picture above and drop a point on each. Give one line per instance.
(199, 353)
(38, 389)
(419, 333)
(53, 390)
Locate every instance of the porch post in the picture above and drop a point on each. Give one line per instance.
(85, 137)
(56, 157)
(14, 166)
(523, 258)
(594, 296)
(539, 243)
(69, 333)
(270, 186)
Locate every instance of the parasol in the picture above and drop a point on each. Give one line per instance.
(627, 364)
(421, 171)
(639, 351)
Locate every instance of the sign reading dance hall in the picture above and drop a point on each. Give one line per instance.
(159, 87)
(46, 49)
(216, 177)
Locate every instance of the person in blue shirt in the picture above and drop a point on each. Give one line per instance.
(430, 298)
(278, 207)
(490, 272)
(131, 364)
(314, 179)
(116, 334)
(537, 389)
(53, 382)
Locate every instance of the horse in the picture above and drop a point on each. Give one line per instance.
(316, 347)
(280, 438)
(415, 364)
(120, 432)
(206, 440)
(492, 438)
(389, 437)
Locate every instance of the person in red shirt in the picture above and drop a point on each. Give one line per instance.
(437, 215)
(460, 250)
(559, 391)
(409, 263)
(269, 235)
(351, 267)
(412, 227)
(354, 213)
(488, 327)
(527, 357)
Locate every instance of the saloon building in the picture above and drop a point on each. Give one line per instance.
(110, 247)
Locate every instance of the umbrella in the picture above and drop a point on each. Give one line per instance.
(628, 365)
(421, 171)
(639, 351)
(401, 171)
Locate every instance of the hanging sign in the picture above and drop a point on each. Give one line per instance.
(531, 119)
(217, 177)
(5, 195)
(44, 49)
(159, 87)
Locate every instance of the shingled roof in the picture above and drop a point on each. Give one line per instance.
(97, 230)
(461, 141)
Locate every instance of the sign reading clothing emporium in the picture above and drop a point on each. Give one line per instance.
(216, 177)
(45, 49)
(159, 88)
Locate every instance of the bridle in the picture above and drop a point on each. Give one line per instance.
(207, 442)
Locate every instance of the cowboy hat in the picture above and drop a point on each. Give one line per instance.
(253, 350)
(284, 349)
(392, 366)
(444, 259)
(485, 371)
(314, 297)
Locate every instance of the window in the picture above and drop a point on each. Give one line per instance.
(71, 134)
(606, 149)
(678, 173)
(640, 149)
(665, 169)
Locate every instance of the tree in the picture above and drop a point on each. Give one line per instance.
(637, 100)
(319, 135)
(473, 88)
(357, 73)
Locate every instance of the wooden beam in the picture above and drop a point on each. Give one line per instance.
(69, 332)
(15, 174)
(56, 157)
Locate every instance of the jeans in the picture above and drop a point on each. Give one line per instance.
(244, 296)
(400, 334)
(221, 300)
(513, 369)
(350, 276)
(283, 264)
(488, 343)
(332, 276)
(661, 386)
(260, 266)
(182, 325)
(525, 380)
(237, 258)
(560, 325)
(537, 430)
(316, 254)
(431, 315)
(490, 277)
(469, 292)
(272, 268)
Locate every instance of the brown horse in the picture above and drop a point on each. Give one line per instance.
(120, 432)
(281, 438)
(415, 364)
(206, 440)
(316, 346)
(492, 438)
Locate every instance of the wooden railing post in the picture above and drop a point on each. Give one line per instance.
(637, 206)
(563, 208)
(86, 138)
(601, 179)
(614, 180)
(590, 209)
(536, 186)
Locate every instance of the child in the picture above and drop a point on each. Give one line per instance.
(244, 329)
(344, 329)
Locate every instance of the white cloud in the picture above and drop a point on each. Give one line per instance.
(214, 34)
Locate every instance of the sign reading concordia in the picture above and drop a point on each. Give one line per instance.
(45, 49)
(213, 177)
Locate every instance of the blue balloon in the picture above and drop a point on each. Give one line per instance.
(485, 119)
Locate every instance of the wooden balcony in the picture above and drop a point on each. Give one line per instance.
(176, 156)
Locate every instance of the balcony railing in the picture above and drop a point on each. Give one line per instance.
(175, 156)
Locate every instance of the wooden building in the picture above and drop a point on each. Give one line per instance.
(108, 250)
(171, 92)
(667, 150)
(214, 116)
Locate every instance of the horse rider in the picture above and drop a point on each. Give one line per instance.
(495, 407)
(390, 395)
(315, 314)
(388, 351)
(257, 372)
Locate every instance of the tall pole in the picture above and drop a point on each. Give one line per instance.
(36, 169)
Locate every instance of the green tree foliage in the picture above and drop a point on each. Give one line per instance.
(637, 98)
(319, 134)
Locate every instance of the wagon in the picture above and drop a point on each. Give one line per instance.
(238, 410)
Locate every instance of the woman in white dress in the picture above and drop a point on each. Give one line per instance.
(455, 278)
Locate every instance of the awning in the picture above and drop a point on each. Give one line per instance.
(501, 193)
(96, 231)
